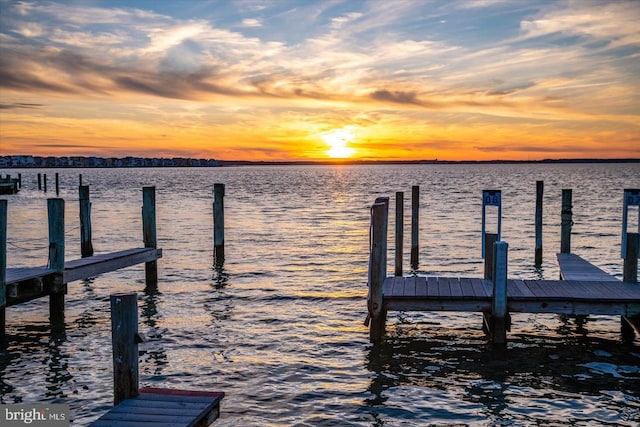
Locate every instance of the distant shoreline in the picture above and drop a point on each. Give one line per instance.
(125, 163)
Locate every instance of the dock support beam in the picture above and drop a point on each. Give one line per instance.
(149, 233)
(566, 222)
(499, 324)
(378, 268)
(55, 209)
(538, 226)
(218, 223)
(399, 231)
(86, 247)
(415, 227)
(124, 339)
(3, 269)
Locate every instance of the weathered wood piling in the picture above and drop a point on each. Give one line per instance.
(3, 266)
(399, 232)
(149, 233)
(538, 223)
(218, 223)
(55, 208)
(415, 226)
(124, 340)
(378, 267)
(566, 221)
(86, 245)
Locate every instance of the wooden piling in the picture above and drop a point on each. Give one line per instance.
(124, 339)
(630, 270)
(80, 180)
(489, 240)
(39, 181)
(44, 178)
(538, 226)
(566, 222)
(149, 233)
(19, 180)
(499, 315)
(399, 232)
(57, 184)
(415, 228)
(218, 223)
(3, 268)
(86, 246)
(55, 209)
(378, 268)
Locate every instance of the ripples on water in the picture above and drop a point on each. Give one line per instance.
(280, 327)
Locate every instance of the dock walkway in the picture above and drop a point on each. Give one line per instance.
(24, 284)
(161, 407)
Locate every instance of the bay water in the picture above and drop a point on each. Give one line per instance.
(279, 327)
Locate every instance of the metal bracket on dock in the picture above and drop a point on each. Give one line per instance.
(491, 198)
(631, 198)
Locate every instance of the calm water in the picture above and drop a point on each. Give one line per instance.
(280, 327)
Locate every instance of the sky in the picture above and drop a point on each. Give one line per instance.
(313, 80)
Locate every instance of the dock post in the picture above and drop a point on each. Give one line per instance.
(399, 231)
(566, 223)
(124, 339)
(19, 180)
(415, 228)
(39, 181)
(3, 268)
(86, 247)
(499, 314)
(44, 178)
(378, 268)
(630, 270)
(489, 240)
(538, 226)
(57, 184)
(55, 209)
(149, 233)
(80, 180)
(218, 223)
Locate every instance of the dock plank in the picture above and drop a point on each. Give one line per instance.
(410, 286)
(432, 286)
(421, 287)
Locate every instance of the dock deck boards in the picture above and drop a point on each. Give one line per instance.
(531, 296)
(164, 408)
(20, 281)
(574, 267)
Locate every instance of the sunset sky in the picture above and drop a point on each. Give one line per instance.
(311, 80)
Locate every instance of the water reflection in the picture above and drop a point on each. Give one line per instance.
(496, 381)
(154, 353)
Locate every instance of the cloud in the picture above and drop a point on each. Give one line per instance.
(21, 105)
(251, 23)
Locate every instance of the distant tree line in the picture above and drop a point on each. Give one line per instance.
(23, 161)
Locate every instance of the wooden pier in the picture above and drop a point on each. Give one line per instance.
(158, 407)
(583, 289)
(19, 285)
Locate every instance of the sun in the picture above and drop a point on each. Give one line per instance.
(338, 140)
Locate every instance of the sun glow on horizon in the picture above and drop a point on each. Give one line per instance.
(338, 140)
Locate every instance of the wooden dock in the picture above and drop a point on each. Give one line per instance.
(19, 285)
(25, 284)
(160, 407)
(584, 289)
